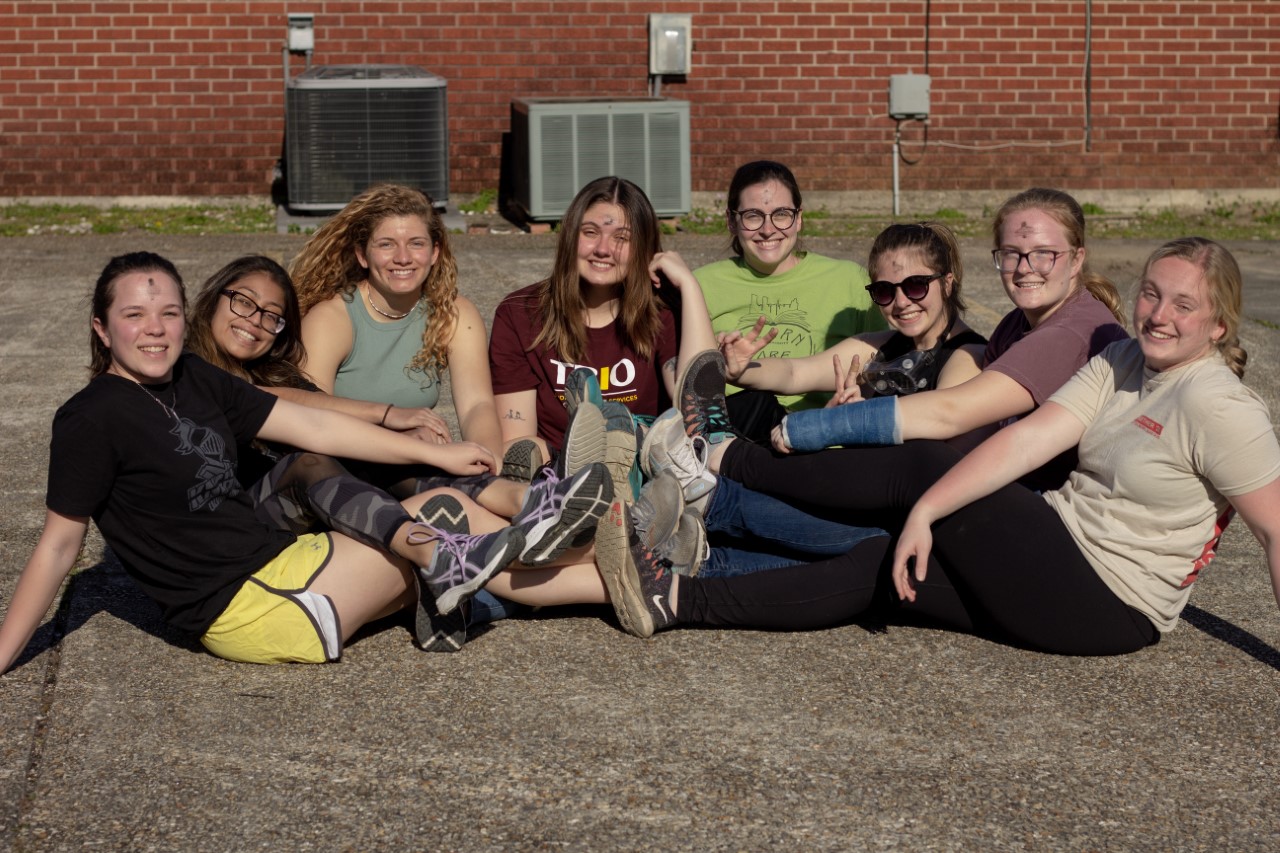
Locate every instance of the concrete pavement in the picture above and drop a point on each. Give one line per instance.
(560, 732)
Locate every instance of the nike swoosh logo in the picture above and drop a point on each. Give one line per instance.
(657, 602)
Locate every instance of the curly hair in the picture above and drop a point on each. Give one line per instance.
(104, 293)
(936, 245)
(1225, 284)
(328, 266)
(1066, 211)
(278, 366)
(560, 303)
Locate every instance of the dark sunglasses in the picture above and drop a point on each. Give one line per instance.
(914, 287)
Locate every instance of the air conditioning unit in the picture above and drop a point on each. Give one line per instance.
(561, 144)
(348, 127)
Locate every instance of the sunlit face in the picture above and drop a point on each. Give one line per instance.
(1173, 315)
(398, 257)
(1039, 295)
(771, 249)
(143, 327)
(922, 321)
(604, 245)
(244, 338)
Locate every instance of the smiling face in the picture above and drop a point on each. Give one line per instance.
(770, 250)
(143, 327)
(604, 245)
(922, 321)
(397, 258)
(243, 338)
(1039, 295)
(1173, 315)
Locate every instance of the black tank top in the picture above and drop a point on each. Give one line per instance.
(925, 374)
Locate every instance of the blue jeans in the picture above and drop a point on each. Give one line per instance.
(742, 513)
(487, 607)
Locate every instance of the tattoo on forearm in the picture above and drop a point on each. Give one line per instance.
(513, 415)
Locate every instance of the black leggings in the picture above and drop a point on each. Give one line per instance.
(306, 490)
(1005, 567)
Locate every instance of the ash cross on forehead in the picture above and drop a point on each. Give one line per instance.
(608, 220)
(1025, 229)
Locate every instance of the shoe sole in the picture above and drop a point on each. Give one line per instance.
(618, 571)
(584, 440)
(691, 567)
(587, 500)
(689, 399)
(620, 448)
(434, 631)
(504, 550)
(589, 388)
(521, 461)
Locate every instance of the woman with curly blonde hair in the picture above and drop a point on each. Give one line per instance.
(378, 288)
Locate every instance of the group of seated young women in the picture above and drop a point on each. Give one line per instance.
(270, 468)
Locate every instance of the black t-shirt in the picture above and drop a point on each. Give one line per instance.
(161, 483)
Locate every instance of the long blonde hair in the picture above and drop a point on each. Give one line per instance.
(1225, 285)
(560, 301)
(1066, 211)
(327, 264)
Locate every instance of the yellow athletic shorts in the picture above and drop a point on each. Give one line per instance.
(274, 619)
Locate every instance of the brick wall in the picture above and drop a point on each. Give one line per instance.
(186, 98)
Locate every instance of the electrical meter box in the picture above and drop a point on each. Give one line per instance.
(909, 96)
(670, 44)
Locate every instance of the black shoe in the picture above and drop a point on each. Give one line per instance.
(436, 631)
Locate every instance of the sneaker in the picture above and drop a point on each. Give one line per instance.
(656, 513)
(436, 631)
(639, 583)
(463, 563)
(561, 514)
(584, 440)
(668, 448)
(700, 397)
(522, 461)
(582, 385)
(620, 449)
(688, 548)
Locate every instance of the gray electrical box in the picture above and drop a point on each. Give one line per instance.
(909, 96)
(670, 44)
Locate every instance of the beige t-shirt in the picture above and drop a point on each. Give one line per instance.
(1160, 456)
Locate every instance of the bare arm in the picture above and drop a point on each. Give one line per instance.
(328, 338)
(395, 417)
(336, 434)
(669, 269)
(50, 562)
(518, 414)
(1260, 509)
(987, 398)
(997, 462)
(470, 380)
(795, 375)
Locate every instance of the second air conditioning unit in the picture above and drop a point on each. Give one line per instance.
(561, 144)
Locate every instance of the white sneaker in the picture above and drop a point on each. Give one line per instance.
(668, 448)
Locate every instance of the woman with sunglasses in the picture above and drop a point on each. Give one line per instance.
(814, 301)
(918, 271)
(1063, 315)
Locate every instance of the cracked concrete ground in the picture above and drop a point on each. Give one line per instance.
(560, 732)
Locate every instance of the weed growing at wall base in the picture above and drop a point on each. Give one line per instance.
(21, 220)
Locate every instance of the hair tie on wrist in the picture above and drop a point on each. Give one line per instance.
(383, 422)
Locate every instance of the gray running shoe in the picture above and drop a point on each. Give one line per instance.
(522, 461)
(656, 513)
(436, 631)
(584, 441)
(700, 397)
(463, 563)
(639, 583)
(668, 448)
(562, 514)
(581, 385)
(688, 549)
(620, 449)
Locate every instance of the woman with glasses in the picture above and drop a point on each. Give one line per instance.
(1063, 315)
(918, 271)
(814, 301)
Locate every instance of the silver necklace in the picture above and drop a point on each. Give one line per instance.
(368, 296)
(168, 410)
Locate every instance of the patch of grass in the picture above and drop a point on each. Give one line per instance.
(944, 214)
(20, 220)
(484, 202)
(1091, 209)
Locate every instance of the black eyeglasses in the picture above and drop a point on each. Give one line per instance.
(753, 220)
(914, 287)
(243, 306)
(1040, 261)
